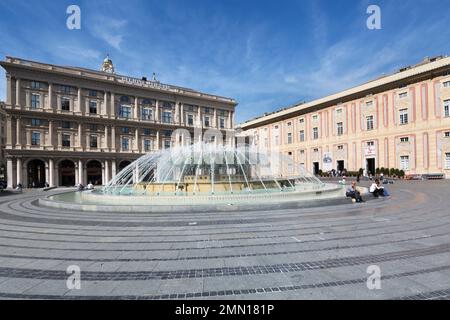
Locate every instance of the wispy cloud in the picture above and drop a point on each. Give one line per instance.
(108, 29)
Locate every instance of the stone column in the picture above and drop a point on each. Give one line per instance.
(105, 104)
(79, 101)
(50, 96)
(157, 140)
(229, 119)
(50, 133)
(51, 166)
(215, 119)
(106, 138)
(136, 108)
(113, 138)
(80, 172)
(80, 139)
(136, 138)
(106, 180)
(18, 134)
(18, 93)
(182, 114)
(157, 118)
(8, 90)
(8, 131)
(199, 117)
(19, 170)
(28, 139)
(47, 172)
(113, 105)
(28, 99)
(113, 168)
(10, 173)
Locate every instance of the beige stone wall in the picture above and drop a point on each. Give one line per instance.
(426, 143)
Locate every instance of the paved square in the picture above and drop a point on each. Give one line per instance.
(311, 253)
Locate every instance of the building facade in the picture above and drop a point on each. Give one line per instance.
(2, 141)
(398, 121)
(68, 125)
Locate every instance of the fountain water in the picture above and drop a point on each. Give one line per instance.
(206, 174)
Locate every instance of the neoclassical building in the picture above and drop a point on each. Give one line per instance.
(69, 125)
(397, 121)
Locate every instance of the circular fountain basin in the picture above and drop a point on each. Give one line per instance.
(326, 194)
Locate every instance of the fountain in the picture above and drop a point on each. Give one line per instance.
(203, 177)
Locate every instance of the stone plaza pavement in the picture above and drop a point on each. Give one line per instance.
(310, 253)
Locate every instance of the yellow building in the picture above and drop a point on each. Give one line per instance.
(398, 121)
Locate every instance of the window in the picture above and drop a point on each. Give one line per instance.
(447, 160)
(403, 95)
(316, 150)
(125, 130)
(404, 139)
(302, 152)
(370, 144)
(66, 89)
(65, 104)
(35, 138)
(124, 99)
(35, 85)
(206, 120)
(35, 122)
(93, 107)
(369, 121)
(222, 123)
(93, 141)
(302, 135)
(222, 113)
(289, 124)
(190, 120)
(447, 134)
(315, 133)
(447, 108)
(340, 147)
(167, 117)
(66, 140)
(148, 145)
(125, 144)
(147, 114)
(446, 84)
(339, 111)
(404, 116)
(206, 110)
(404, 163)
(369, 103)
(92, 93)
(340, 128)
(167, 144)
(289, 138)
(315, 117)
(277, 140)
(125, 112)
(148, 102)
(302, 120)
(93, 127)
(65, 124)
(35, 101)
(147, 132)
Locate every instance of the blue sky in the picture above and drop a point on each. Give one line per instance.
(266, 54)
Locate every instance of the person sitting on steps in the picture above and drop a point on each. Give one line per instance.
(353, 193)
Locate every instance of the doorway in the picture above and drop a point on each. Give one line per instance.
(67, 173)
(340, 165)
(370, 166)
(36, 174)
(315, 168)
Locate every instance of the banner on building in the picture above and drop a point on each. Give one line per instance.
(327, 162)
